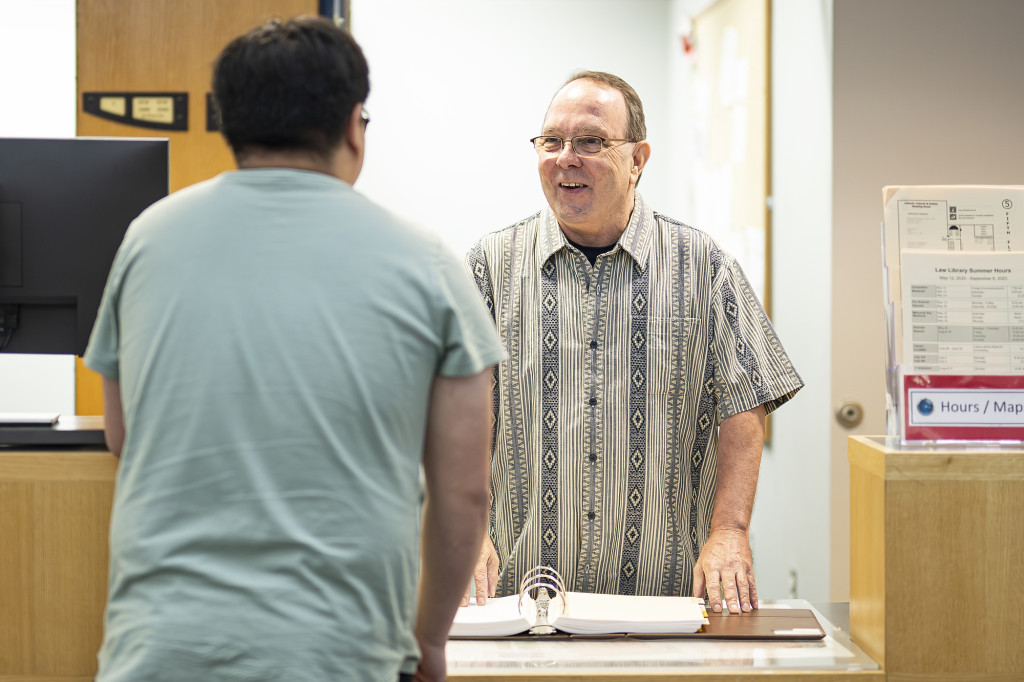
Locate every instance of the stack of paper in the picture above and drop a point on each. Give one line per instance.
(499, 617)
(606, 613)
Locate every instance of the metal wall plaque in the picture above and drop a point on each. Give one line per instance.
(158, 110)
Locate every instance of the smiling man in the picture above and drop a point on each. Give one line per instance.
(629, 416)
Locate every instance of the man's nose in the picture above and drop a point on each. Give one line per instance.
(568, 157)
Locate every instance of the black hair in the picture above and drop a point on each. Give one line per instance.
(289, 86)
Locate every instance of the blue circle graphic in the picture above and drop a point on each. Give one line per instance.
(925, 407)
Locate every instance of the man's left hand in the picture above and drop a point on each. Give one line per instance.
(725, 570)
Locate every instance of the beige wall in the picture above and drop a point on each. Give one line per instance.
(924, 92)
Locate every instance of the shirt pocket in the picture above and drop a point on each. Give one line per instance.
(668, 342)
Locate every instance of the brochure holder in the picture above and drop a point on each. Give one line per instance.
(953, 282)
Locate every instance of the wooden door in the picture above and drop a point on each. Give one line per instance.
(154, 47)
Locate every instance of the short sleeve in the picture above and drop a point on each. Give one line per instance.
(751, 366)
(471, 343)
(477, 267)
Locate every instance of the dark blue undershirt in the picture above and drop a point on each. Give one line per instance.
(592, 252)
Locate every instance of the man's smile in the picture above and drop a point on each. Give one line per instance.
(572, 186)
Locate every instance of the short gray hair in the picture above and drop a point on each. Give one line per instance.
(636, 127)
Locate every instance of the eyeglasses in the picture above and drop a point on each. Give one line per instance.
(364, 117)
(583, 145)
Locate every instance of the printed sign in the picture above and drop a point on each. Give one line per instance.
(951, 407)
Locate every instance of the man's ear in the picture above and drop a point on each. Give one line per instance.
(347, 159)
(641, 154)
(355, 138)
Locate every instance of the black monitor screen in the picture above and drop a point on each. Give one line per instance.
(64, 207)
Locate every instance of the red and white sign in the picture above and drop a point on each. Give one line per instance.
(953, 407)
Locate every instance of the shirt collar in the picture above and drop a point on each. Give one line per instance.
(635, 239)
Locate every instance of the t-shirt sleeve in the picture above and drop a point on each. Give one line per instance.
(101, 354)
(752, 367)
(477, 267)
(471, 343)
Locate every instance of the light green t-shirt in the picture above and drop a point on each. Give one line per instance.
(275, 336)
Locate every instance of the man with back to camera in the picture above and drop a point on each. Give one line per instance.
(630, 412)
(279, 356)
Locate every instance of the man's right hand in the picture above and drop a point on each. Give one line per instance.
(485, 575)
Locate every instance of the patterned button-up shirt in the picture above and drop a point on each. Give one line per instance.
(607, 409)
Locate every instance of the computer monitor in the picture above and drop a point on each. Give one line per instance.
(64, 207)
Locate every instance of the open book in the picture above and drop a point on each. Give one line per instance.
(582, 613)
(543, 606)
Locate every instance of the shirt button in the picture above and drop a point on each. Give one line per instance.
(593, 344)
(593, 457)
(591, 515)
(593, 401)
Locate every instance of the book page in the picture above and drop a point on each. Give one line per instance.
(607, 613)
(497, 618)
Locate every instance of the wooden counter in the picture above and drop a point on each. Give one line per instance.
(937, 560)
(55, 511)
(54, 514)
(537, 659)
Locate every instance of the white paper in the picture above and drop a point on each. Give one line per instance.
(963, 313)
(952, 278)
(956, 218)
(950, 407)
(497, 618)
(603, 613)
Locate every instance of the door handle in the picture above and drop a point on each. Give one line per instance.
(849, 413)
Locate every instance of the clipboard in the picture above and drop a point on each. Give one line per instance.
(762, 624)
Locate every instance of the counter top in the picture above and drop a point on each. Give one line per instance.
(834, 658)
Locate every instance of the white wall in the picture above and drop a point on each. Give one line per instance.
(790, 524)
(37, 88)
(457, 88)
(790, 529)
(925, 92)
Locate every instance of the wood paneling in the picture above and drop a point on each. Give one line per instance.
(937, 545)
(54, 516)
(162, 46)
(167, 46)
(867, 561)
